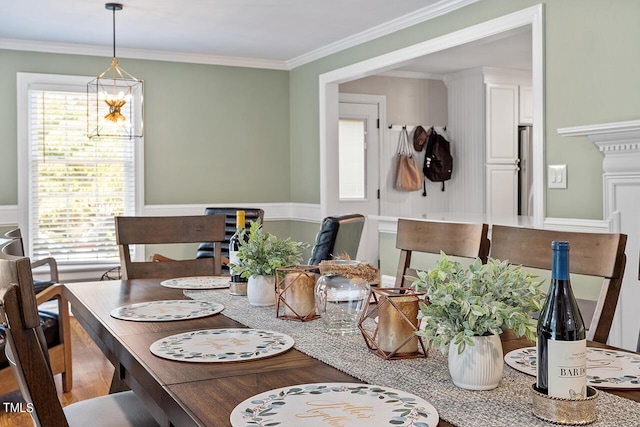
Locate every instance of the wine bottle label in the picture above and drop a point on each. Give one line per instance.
(567, 369)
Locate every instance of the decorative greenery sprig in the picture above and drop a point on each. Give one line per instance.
(262, 252)
(483, 299)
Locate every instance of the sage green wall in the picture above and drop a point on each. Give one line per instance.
(304, 232)
(592, 72)
(212, 133)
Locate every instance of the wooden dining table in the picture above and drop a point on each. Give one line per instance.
(196, 394)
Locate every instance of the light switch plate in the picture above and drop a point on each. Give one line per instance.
(557, 176)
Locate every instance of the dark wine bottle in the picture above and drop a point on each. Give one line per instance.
(561, 339)
(234, 247)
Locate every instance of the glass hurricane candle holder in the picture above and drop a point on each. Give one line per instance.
(389, 327)
(295, 299)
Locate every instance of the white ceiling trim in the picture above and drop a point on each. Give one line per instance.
(154, 55)
(438, 9)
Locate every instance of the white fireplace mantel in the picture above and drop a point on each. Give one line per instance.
(619, 142)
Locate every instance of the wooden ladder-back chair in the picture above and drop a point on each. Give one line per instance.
(56, 326)
(27, 353)
(141, 230)
(454, 239)
(591, 254)
(206, 249)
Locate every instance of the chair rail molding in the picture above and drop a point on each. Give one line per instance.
(8, 215)
(619, 142)
(303, 212)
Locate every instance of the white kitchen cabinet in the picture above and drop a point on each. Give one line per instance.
(525, 110)
(502, 190)
(502, 123)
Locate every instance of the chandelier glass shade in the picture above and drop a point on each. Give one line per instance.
(115, 99)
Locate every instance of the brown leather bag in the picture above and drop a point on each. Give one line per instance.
(408, 175)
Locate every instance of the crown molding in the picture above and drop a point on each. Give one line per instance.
(438, 9)
(416, 17)
(153, 55)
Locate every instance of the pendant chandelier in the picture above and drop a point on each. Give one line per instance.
(115, 99)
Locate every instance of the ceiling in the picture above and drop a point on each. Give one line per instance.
(272, 33)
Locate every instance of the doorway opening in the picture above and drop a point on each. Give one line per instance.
(329, 97)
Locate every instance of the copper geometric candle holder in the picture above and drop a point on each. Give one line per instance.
(389, 327)
(295, 292)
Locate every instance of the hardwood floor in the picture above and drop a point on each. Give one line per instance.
(92, 374)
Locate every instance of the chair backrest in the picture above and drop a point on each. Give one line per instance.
(16, 247)
(26, 346)
(338, 234)
(454, 239)
(205, 249)
(591, 254)
(13, 247)
(170, 229)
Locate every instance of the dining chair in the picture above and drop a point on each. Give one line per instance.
(591, 254)
(453, 238)
(205, 249)
(55, 322)
(17, 248)
(27, 353)
(338, 235)
(140, 230)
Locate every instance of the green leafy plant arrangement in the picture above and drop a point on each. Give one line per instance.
(261, 253)
(483, 299)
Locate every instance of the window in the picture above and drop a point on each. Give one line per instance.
(70, 186)
(351, 158)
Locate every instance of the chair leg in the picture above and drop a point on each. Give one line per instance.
(65, 329)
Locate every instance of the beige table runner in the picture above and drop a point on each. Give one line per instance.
(508, 405)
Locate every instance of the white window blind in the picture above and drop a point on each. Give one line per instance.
(77, 185)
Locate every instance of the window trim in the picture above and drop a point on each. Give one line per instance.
(26, 81)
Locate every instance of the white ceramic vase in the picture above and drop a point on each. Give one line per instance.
(478, 367)
(261, 291)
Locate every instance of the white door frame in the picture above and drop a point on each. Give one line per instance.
(329, 98)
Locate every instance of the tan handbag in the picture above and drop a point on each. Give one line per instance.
(408, 175)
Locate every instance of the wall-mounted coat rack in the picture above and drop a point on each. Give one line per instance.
(410, 128)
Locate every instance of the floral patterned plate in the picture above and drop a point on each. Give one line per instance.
(334, 404)
(166, 310)
(198, 282)
(605, 368)
(222, 345)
